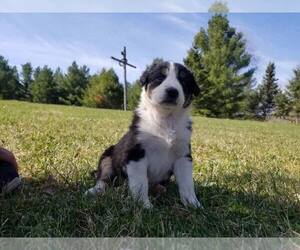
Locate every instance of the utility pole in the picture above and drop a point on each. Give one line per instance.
(123, 63)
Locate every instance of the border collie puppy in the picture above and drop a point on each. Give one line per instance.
(157, 144)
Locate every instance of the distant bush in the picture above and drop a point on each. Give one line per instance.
(134, 92)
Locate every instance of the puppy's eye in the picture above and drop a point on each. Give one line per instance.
(164, 71)
(160, 78)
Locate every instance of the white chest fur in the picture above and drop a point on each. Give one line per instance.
(165, 139)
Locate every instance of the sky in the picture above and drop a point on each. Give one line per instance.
(57, 39)
(145, 5)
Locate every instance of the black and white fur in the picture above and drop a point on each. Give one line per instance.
(157, 144)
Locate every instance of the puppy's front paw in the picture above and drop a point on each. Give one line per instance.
(190, 199)
(99, 188)
(147, 204)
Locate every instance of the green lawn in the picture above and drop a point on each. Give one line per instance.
(247, 176)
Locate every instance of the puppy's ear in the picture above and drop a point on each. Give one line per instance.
(144, 78)
(196, 89)
(194, 86)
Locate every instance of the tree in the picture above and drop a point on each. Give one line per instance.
(283, 105)
(27, 79)
(294, 93)
(220, 64)
(73, 86)
(60, 80)
(134, 92)
(252, 104)
(44, 88)
(104, 91)
(268, 91)
(10, 87)
(219, 7)
(36, 72)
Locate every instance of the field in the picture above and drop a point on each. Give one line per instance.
(247, 176)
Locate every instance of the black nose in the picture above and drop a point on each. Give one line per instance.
(172, 93)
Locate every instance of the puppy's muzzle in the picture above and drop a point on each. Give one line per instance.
(171, 96)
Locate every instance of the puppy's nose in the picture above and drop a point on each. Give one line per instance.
(172, 93)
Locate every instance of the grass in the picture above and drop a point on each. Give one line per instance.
(247, 176)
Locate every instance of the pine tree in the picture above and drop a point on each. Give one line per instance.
(36, 72)
(27, 79)
(73, 86)
(268, 91)
(60, 80)
(294, 93)
(252, 104)
(283, 105)
(10, 87)
(219, 7)
(44, 89)
(220, 63)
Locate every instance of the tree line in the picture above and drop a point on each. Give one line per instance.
(218, 59)
(75, 87)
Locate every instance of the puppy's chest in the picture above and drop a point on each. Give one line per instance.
(162, 150)
(170, 142)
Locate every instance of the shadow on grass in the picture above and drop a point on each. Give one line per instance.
(46, 207)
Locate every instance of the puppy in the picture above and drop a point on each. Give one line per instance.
(157, 144)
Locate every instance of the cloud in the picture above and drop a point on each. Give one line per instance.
(181, 22)
(40, 51)
(57, 40)
(54, 52)
(100, 6)
(191, 6)
(182, 6)
(255, 46)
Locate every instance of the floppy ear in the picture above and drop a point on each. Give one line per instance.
(194, 86)
(144, 78)
(196, 89)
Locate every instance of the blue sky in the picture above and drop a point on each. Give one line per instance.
(91, 38)
(145, 5)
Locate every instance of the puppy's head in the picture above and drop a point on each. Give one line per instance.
(169, 85)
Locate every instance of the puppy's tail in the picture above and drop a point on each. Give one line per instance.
(103, 163)
(103, 174)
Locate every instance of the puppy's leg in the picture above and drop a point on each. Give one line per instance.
(105, 175)
(138, 181)
(183, 171)
(99, 188)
